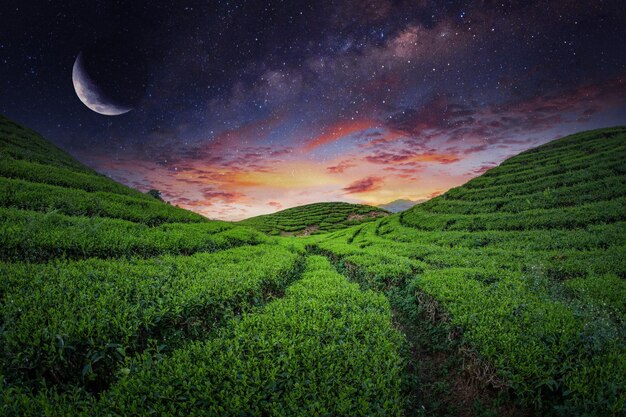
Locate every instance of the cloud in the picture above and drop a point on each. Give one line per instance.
(363, 185)
(378, 139)
(471, 128)
(210, 195)
(409, 157)
(336, 132)
(438, 113)
(340, 167)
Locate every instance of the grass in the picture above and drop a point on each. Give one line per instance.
(504, 296)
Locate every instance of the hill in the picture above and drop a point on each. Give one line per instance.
(517, 277)
(314, 218)
(39, 177)
(397, 206)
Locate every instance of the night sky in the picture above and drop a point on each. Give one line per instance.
(242, 108)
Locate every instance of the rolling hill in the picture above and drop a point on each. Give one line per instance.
(314, 218)
(504, 296)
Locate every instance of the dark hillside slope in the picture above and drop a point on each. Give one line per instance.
(37, 176)
(524, 268)
(19, 142)
(314, 218)
(53, 206)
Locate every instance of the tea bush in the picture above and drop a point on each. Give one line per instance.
(75, 322)
(24, 195)
(322, 217)
(34, 236)
(326, 348)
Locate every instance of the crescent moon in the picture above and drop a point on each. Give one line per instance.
(89, 93)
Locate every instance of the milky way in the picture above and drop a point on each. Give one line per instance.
(251, 107)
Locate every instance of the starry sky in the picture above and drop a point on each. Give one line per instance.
(248, 107)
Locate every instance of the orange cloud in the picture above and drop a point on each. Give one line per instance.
(408, 157)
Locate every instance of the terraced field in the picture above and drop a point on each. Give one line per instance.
(524, 268)
(314, 218)
(115, 303)
(505, 296)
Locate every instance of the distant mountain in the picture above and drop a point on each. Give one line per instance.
(397, 206)
(314, 218)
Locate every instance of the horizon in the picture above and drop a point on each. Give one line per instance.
(381, 205)
(240, 109)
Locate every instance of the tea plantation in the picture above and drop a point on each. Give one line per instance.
(115, 303)
(523, 268)
(505, 296)
(314, 218)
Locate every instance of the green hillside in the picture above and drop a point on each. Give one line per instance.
(505, 296)
(37, 176)
(115, 303)
(515, 280)
(314, 218)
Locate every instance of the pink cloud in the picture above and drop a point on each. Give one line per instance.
(340, 167)
(337, 131)
(364, 185)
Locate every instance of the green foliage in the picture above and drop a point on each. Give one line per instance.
(528, 336)
(63, 177)
(583, 215)
(33, 236)
(116, 307)
(607, 292)
(325, 349)
(26, 195)
(314, 218)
